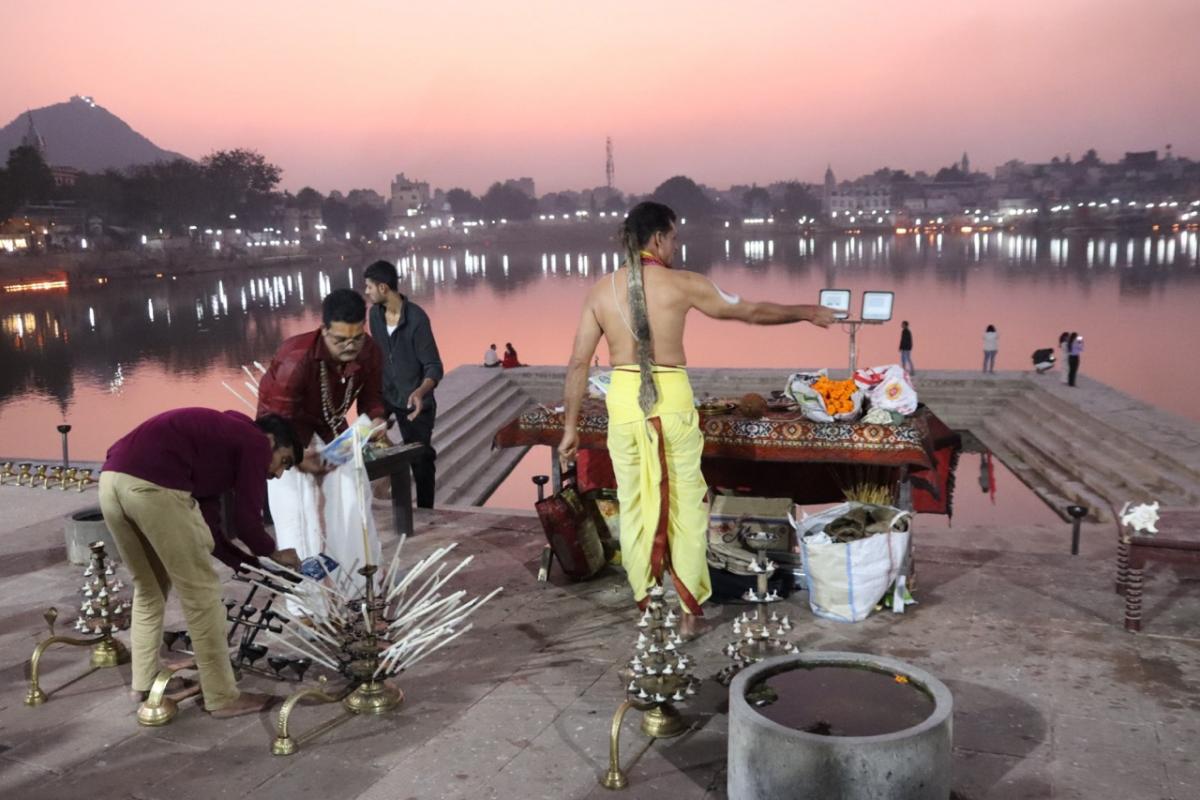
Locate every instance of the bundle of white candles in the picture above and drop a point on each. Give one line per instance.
(414, 614)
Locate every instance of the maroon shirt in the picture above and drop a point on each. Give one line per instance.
(292, 386)
(207, 453)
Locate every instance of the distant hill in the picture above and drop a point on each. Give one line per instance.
(81, 134)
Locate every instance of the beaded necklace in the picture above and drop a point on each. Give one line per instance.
(336, 417)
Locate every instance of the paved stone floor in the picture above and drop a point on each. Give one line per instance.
(1052, 698)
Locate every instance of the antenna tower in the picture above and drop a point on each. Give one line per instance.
(608, 162)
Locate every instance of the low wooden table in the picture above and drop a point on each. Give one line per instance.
(396, 463)
(1177, 540)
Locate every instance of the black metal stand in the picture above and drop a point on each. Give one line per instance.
(1077, 513)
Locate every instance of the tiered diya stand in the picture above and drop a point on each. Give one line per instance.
(102, 612)
(760, 636)
(657, 677)
(45, 476)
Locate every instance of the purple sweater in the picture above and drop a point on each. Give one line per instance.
(207, 453)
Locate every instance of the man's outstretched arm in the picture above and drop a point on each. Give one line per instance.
(586, 339)
(713, 302)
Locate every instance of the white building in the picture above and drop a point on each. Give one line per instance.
(408, 196)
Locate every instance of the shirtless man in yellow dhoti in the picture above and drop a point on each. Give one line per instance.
(654, 436)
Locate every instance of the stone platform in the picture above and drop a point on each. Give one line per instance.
(1053, 699)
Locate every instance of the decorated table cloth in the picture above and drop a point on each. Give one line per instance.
(775, 437)
(779, 454)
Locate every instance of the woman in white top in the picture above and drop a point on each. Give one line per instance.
(991, 345)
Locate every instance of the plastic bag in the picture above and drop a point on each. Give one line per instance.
(845, 580)
(341, 450)
(812, 404)
(888, 388)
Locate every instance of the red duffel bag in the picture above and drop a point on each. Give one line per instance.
(575, 530)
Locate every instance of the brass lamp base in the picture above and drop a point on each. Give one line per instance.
(614, 779)
(36, 696)
(158, 709)
(663, 722)
(109, 653)
(374, 697)
(659, 721)
(155, 716)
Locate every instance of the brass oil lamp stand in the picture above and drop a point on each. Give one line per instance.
(760, 636)
(102, 612)
(45, 476)
(657, 677)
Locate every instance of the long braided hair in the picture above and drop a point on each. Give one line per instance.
(644, 220)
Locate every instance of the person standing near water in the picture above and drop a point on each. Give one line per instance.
(1064, 353)
(991, 346)
(906, 345)
(654, 437)
(1074, 351)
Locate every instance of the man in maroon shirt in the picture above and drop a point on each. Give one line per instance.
(313, 380)
(160, 493)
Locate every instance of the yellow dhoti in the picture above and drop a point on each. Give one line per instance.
(656, 460)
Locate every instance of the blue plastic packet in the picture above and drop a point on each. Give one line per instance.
(318, 566)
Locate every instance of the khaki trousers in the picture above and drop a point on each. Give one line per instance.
(164, 541)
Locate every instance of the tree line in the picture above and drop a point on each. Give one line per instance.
(226, 189)
(238, 189)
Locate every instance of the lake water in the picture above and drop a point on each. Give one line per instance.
(103, 358)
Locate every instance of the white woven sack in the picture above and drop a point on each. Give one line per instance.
(846, 580)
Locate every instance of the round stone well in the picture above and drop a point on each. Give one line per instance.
(846, 725)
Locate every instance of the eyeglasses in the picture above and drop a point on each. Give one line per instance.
(345, 341)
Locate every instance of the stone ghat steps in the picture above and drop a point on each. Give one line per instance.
(467, 392)
(478, 474)
(468, 469)
(478, 417)
(542, 384)
(1055, 466)
(1122, 456)
(1119, 443)
(1056, 487)
(1061, 452)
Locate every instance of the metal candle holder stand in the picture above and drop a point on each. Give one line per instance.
(373, 637)
(253, 620)
(756, 639)
(158, 709)
(656, 677)
(45, 476)
(248, 620)
(101, 613)
(359, 662)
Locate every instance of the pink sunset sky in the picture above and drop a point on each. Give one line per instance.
(462, 93)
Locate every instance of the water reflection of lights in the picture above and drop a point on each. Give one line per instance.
(117, 381)
(20, 324)
(36, 286)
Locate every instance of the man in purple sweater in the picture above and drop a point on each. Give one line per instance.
(160, 493)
